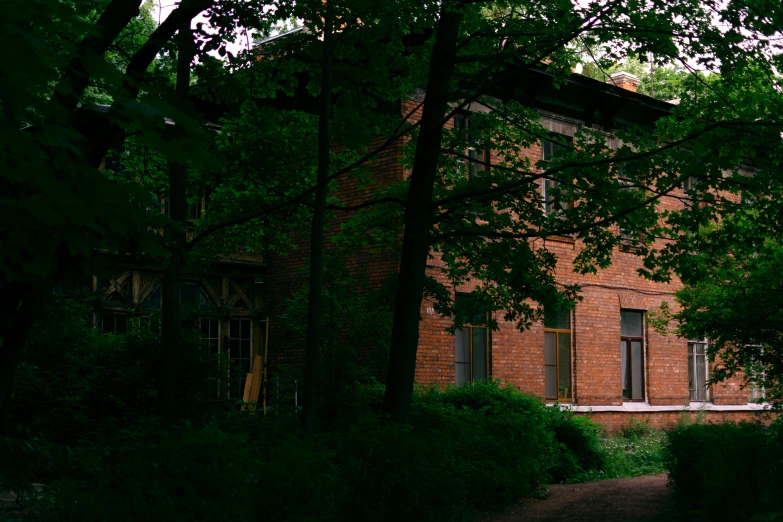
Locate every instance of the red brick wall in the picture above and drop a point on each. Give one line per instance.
(285, 272)
(617, 421)
(518, 357)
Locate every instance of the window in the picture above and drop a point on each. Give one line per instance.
(199, 203)
(632, 354)
(113, 323)
(238, 347)
(471, 357)
(557, 356)
(550, 149)
(688, 186)
(476, 149)
(756, 376)
(698, 371)
(628, 240)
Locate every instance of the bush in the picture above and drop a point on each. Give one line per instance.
(203, 475)
(728, 471)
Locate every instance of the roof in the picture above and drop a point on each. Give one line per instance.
(277, 36)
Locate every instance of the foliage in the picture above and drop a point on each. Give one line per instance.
(638, 450)
(354, 322)
(727, 471)
(76, 386)
(481, 446)
(204, 474)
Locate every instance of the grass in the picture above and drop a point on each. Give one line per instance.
(637, 451)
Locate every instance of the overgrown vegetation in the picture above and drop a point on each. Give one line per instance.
(638, 450)
(728, 471)
(93, 439)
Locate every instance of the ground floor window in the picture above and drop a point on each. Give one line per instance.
(112, 323)
(698, 371)
(238, 346)
(471, 353)
(557, 356)
(632, 354)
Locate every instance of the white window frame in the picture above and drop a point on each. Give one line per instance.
(692, 367)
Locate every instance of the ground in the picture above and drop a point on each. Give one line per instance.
(638, 499)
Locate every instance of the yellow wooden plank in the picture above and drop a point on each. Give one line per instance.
(255, 386)
(248, 387)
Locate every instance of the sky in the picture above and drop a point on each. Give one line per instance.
(165, 7)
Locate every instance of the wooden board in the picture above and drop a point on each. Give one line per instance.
(255, 384)
(248, 386)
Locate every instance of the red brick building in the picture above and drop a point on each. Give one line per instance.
(602, 359)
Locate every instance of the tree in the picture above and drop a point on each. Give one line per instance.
(480, 226)
(59, 208)
(727, 250)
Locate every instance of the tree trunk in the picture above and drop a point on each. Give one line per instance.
(418, 220)
(177, 205)
(19, 312)
(314, 308)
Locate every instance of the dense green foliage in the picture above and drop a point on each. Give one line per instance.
(637, 450)
(726, 472)
(93, 440)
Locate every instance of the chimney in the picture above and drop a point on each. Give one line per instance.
(624, 80)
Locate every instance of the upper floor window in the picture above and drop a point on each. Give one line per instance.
(471, 351)
(476, 149)
(557, 356)
(630, 237)
(550, 149)
(689, 186)
(698, 371)
(632, 354)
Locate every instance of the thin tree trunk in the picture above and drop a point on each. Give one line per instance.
(418, 220)
(314, 308)
(177, 204)
(19, 313)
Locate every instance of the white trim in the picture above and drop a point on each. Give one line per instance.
(641, 407)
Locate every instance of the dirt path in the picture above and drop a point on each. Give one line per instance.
(638, 499)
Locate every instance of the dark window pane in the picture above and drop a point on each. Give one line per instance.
(557, 320)
(462, 348)
(564, 363)
(637, 375)
(245, 328)
(462, 355)
(630, 323)
(550, 385)
(550, 340)
(467, 310)
(479, 353)
(624, 369)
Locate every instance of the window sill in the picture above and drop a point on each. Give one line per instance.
(643, 407)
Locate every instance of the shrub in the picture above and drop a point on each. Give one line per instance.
(203, 475)
(728, 471)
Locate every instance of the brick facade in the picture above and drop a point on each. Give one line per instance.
(518, 357)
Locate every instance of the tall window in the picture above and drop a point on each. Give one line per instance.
(698, 371)
(756, 376)
(238, 345)
(689, 185)
(632, 354)
(549, 150)
(476, 149)
(471, 354)
(557, 355)
(113, 323)
(628, 238)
